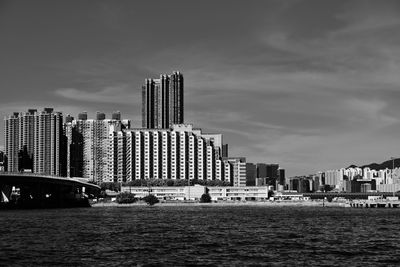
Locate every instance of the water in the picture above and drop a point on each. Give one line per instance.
(201, 235)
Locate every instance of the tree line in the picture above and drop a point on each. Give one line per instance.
(162, 182)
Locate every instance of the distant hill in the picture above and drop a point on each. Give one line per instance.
(381, 166)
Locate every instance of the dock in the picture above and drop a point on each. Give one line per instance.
(375, 203)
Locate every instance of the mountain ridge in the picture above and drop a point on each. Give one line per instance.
(380, 166)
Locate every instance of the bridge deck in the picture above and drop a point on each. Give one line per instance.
(36, 190)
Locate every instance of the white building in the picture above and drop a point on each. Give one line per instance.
(217, 193)
(168, 192)
(238, 170)
(352, 172)
(386, 180)
(387, 187)
(177, 153)
(239, 193)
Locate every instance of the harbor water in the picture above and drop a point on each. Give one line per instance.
(200, 235)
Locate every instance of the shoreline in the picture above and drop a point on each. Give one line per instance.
(219, 204)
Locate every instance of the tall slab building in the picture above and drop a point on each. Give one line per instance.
(11, 141)
(181, 152)
(49, 152)
(88, 146)
(34, 141)
(162, 101)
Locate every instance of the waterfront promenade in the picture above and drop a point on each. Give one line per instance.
(230, 203)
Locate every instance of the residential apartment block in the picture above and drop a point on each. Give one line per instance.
(88, 142)
(162, 101)
(34, 142)
(352, 179)
(180, 152)
(49, 153)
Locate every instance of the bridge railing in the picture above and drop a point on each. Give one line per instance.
(32, 174)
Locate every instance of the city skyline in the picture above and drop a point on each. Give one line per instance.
(108, 150)
(306, 84)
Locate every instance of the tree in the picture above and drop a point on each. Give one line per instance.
(226, 183)
(205, 198)
(151, 199)
(136, 182)
(270, 193)
(327, 188)
(111, 186)
(180, 182)
(199, 182)
(126, 198)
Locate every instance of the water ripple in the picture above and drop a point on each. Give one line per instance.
(200, 236)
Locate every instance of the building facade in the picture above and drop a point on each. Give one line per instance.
(162, 101)
(251, 174)
(19, 139)
(356, 179)
(34, 142)
(238, 170)
(180, 152)
(11, 141)
(49, 149)
(217, 193)
(88, 148)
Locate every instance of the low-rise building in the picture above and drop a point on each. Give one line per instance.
(289, 195)
(168, 192)
(217, 193)
(239, 193)
(388, 187)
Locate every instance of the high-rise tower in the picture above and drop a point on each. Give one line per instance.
(49, 152)
(34, 142)
(175, 99)
(162, 101)
(88, 147)
(19, 135)
(11, 136)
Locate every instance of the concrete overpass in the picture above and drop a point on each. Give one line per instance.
(43, 191)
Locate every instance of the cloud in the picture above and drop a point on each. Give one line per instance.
(307, 101)
(116, 94)
(307, 84)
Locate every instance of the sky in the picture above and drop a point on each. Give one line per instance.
(312, 85)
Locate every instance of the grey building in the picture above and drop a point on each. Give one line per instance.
(261, 170)
(251, 173)
(88, 145)
(34, 142)
(162, 101)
